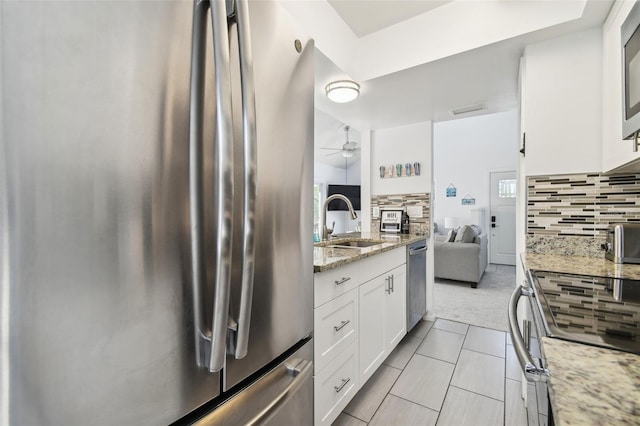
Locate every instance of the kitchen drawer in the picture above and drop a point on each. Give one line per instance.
(335, 282)
(335, 327)
(335, 385)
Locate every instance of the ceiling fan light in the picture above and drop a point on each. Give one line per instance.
(342, 91)
(347, 154)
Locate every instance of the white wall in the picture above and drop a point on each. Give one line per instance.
(406, 144)
(563, 99)
(465, 152)
(324, 174)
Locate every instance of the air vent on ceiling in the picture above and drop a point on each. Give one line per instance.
(467, 109)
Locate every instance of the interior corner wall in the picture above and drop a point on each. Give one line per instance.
(465, 152)
(401, 145)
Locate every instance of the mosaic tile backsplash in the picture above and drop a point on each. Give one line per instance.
(569, 214)
(417, 226)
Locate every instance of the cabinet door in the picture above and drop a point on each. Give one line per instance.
(373, 299)
(615, 151)
(395, 309)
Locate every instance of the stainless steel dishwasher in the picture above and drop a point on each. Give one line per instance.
(416, 282)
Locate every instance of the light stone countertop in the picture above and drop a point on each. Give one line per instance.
(589, 385)
(325, 258)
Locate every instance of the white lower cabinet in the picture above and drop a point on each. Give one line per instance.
(335, 327)
(383, 320)
(335, 385)
(372, 341)
(359, 318)
(395, 309)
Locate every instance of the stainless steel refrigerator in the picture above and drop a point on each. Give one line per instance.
(155, 213)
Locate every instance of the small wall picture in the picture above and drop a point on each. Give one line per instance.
(451, 190)
(468, 201)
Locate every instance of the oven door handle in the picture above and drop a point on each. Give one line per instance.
(529, 366)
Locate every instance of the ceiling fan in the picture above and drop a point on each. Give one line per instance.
(348, 149)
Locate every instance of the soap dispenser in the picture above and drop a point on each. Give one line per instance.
(404, 227)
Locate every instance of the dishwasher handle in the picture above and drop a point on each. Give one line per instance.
(417, 250)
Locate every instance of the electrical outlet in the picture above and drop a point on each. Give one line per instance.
(376, 212)
(414, 211)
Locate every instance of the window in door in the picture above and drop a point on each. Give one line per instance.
(506, 188)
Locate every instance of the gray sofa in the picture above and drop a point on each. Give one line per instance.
(460, 261)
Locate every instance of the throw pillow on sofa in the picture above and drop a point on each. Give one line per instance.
(466, 234)
(451, 235)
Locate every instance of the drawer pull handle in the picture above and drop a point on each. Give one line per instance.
(342, 281)
(343, 384)
(341, 326)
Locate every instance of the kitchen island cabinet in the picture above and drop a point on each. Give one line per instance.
(359, 318)
(382, 319)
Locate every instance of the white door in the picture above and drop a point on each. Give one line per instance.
(502, 231)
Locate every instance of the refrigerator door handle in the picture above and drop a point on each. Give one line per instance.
(249, 132)
(210, 341)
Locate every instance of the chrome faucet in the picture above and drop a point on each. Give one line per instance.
(328, 231)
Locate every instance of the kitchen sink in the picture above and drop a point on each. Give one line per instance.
(349, 243)
(356, 244)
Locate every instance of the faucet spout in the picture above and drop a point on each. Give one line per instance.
(327, 231)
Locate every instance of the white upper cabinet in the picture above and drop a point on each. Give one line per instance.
(562, 104)
(616, 152)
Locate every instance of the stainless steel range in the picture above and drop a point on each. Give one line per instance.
(600, 311)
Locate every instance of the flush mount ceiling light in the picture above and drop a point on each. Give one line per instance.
(342, 91)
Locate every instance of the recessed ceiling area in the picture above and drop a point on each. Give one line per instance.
(368, 16)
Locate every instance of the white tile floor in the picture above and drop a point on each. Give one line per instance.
(443, 373)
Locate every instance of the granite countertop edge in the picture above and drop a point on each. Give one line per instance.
(326, 258)
(580, 265)
(589, 385)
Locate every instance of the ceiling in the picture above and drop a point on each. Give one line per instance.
(330, 133)
(428, 91)
(380, 14)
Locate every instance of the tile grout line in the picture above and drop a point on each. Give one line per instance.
(452, 374)
(455, 365)
(394, 382)
(475, 393)
(504, 408)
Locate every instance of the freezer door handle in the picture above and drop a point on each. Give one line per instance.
(249, 139)
(211, 339)
(303, 371)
